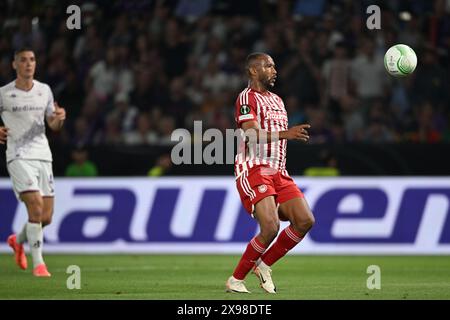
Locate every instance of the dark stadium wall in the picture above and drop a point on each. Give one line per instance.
(351, 160)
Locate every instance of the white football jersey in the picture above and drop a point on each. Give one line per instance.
(24, 113)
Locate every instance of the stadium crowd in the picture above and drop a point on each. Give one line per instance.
(136, 70)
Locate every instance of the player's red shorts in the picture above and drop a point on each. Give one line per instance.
(260, 182)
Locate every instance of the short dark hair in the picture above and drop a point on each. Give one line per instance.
(251, 58)
(22, 49)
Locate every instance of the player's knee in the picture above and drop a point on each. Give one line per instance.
(35, 216)
(46, 221)
(310, 221)
(47, 217)
(269, 229)
(307, 223)
(36, 205)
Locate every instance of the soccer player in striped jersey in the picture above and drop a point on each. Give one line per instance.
(267, 191)
(25, 104)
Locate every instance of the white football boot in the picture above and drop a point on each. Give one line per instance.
(236, 286)
(264, 274)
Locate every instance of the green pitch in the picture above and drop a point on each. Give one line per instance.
(203, 277)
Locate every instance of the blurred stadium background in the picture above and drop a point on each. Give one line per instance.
(137, 70)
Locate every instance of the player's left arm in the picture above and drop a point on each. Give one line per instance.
(54, 113)
(3, 134)
(56, 119)
(3, 129)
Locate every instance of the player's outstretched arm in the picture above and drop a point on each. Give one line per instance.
(56, 120)
(3, 135)
(298, 132)
(255, 133)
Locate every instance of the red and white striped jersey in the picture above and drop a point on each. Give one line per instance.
(268, 110)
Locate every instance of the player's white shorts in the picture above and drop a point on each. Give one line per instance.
(31, 175)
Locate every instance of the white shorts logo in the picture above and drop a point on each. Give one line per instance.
(262, 188)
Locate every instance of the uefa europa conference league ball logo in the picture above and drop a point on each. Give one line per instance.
(245, 109)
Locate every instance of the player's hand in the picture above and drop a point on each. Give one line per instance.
(3, 135)
(59, 113)
(298, 132)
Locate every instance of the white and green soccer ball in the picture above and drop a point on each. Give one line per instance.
(400, 60)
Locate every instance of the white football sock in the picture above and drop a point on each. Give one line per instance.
(35, 237)
(22, 235)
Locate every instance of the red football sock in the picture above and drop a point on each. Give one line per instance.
(287, 239)
(254, 250)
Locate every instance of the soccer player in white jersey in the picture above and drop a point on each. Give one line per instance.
(267, 191)
(25, 104)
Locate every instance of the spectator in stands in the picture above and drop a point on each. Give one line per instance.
(178, 57)
(162, 166)
(327, 166)
(368, 74)
(143, 134)
(336, 80)
(81, 166)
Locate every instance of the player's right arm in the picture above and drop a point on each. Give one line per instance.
(246, 115)
(253, 131)
(246, 118)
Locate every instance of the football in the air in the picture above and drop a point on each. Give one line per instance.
(400, 60)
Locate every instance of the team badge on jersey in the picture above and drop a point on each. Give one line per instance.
(245, 109)
(262, 188)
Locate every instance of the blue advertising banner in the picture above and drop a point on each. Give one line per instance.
(204, 215)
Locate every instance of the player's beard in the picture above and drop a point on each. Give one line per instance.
(267, 82)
